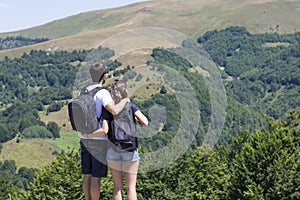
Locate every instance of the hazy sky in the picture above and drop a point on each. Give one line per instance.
(20, 14)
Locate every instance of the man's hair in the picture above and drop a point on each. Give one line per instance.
(97, 72)
(118, 90)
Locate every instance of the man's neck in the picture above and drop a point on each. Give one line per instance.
(98, 84)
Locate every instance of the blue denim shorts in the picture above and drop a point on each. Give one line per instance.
(125, 157)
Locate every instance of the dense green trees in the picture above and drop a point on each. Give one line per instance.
(266, 79)
(265, 67)
(259, 165)
(13, 179)
(54, 129)
(265, 164)
(61, 180)
(238, 115)
(164, 57)
(36, 132)
(209, 179)
(7, 190)
(18, 41)
(35, 80)
(261, 161)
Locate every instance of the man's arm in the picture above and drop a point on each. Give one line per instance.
(99, 132)
(116, 109)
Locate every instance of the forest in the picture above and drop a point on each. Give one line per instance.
(259, 165)
(256, 156)
(18, 41)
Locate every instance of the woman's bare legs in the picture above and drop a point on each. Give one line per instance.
(116, 172)
(131, 169)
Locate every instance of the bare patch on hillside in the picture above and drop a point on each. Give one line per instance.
(261, 1)
(61, 118)
(276, 44)
(135, 58)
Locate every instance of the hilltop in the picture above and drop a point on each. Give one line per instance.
(193, 18)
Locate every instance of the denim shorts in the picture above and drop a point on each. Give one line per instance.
(125, 157)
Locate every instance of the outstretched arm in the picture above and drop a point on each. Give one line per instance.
(116, 109)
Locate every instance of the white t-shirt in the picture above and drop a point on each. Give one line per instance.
(102, 98)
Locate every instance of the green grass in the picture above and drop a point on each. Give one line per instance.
(30, 153)
(37, 153)
(66, 142)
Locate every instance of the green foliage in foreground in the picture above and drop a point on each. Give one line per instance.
(60, 180)
(265, 165)
(261, 165)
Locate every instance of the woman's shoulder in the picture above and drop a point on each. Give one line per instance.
(133, 106)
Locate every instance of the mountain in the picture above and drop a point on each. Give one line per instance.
(250, 96)
(193, 18)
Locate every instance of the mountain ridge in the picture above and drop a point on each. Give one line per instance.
(88, 29)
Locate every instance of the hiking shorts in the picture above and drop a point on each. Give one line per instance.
(125, 157)
(93, 157)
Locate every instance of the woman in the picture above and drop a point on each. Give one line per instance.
(127, 162)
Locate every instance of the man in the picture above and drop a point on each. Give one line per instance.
(93, 146)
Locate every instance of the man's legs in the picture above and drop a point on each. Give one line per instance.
(86, 184)
(99, 167)
(86, 164)
(95, 188)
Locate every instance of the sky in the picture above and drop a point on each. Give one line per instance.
(20, 14)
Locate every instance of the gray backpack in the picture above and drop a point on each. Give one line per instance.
(123, 134)
(82, 111)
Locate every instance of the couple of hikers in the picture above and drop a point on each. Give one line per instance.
(96, 150)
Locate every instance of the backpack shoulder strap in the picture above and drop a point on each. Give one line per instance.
(127, 112)
(95, 90)
(130, 105)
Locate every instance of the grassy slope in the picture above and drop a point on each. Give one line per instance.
(88, 30)
(29, 153)
(37, 153)
(193, 18)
